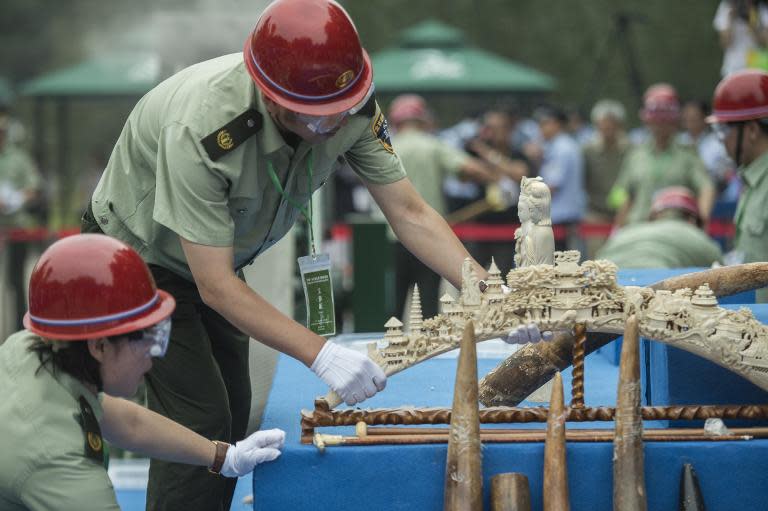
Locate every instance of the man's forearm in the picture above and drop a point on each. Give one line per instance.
(427, 236)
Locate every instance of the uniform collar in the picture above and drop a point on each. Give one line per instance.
(269, 136)
(756, 171)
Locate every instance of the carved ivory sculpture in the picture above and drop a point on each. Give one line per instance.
(556, 297)
(534, 240)
(554, 291)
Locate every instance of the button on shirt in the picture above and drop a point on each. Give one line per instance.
(752, 216)
(160, 182)
(563, 171)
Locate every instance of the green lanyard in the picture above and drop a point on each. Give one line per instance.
(307, 213)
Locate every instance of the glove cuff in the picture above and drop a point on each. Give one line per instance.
(323, 358)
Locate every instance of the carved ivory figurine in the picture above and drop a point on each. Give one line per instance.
(534, 240)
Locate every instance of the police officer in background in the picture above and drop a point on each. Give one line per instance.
(740, 119)
(96, 322)
(212, 168)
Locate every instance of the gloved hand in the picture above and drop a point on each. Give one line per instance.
(352, 375)
(260, 447)
(528, 333)
(525, 333)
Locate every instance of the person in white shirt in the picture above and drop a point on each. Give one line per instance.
(743, 29)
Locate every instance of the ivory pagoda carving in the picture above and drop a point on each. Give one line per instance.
(556, 297)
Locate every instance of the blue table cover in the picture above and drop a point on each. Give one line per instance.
(411, 477)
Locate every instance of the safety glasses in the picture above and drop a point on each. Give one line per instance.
(152, 341)
(722, 130)
(327, 123)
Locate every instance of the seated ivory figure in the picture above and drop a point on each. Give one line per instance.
(534, 240)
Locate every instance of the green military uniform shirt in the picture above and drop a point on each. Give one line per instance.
(18, 173)
(601, 167)
(661, 244)
(192, 161)
(428, 161)
(646, 171)
(43, 464)
(752, 217)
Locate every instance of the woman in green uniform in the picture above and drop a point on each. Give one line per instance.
(95, 322)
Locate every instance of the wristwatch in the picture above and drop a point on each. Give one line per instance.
(218, 459)
(482, 285)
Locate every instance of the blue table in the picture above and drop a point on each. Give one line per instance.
(411, 477)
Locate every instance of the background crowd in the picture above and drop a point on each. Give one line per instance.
(605, 160)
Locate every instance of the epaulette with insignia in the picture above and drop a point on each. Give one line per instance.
(232, 134)
(94, 444)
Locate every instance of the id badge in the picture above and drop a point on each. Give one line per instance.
(318, 293)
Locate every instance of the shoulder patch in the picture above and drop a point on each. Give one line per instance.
(369, 108)
(381, 131)
(94, 444)
(231, 135)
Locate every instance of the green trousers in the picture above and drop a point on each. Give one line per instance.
(202, 383)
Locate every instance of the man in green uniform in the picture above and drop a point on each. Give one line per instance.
(96, 321)
(428, 161)
(740, 119)
(213, 167)
(19, 187)
(659, 163)
(671, 239)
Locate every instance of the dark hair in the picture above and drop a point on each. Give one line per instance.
(700, 104)
(75, 359)
(550, 112)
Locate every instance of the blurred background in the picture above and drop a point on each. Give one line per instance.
(70, 72)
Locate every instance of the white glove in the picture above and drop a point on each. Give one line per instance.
(527, 333)
(260, 447)
(352, 375)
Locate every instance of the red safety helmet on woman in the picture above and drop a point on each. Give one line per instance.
(89, 286)
(306, 56)
(741, 96)
(676, 197)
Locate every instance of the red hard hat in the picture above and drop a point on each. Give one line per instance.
(660, 103)
(741, 96)
(305, 55)
(407, 107)
(675, 197)
(89, 286)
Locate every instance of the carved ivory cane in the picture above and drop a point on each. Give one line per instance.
(535, 364)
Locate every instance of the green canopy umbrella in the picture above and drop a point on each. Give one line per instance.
(127, 74)
(109, 78)
(432, 58)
